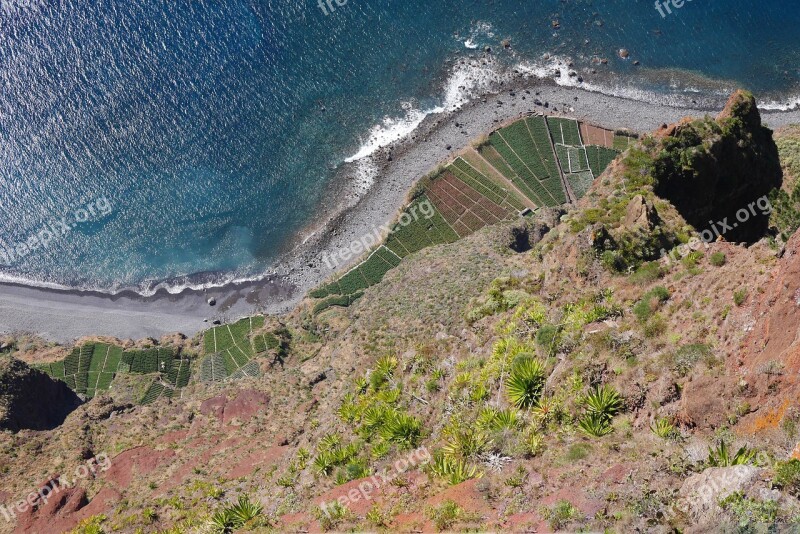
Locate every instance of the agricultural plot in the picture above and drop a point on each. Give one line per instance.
(520, 151)
(418, 232)
(580, 182)
(464, 208)
(212, 368)
(564, 131)
(593, 135)
(537, 126)
(229, 348)
(623, 141)
(492, 179)
(488, 153)
(91, 368)
(599, 158)
(520, 165)
(572, 159)
(251, 369)
(155, 392)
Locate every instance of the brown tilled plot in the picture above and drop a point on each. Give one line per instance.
(464, 208)
(592, 135)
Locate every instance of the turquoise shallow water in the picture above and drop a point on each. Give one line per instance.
(208, 129)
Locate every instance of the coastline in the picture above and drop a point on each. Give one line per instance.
(65, 315)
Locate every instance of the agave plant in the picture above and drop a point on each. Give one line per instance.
(525, 383)
(547, 409)
(403, 429)
(506, 420)
(348, 411)
(595, 424)
(464, 443)
(324, 463)
(222, 522)
(361, 385)
(604, 401)
(721, 457)
(486, 417)
(329, 442)
(236, 516)
(373, 419)
(245, 511)
(663, 428)
(384, 371)
(453, 470)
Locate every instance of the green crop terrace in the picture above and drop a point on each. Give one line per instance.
(535, 162)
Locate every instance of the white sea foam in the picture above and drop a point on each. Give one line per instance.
(391, 129)
(790, 104)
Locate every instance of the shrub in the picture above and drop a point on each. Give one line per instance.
(561, 514)
(548, 338)
(718, 259)
(445, 515)
(739, 296)
(332, 515)
(751, 513)
(647, 273)
(787, 476)
(686, 357)
(525, 383)
(578, 451)
(656, 326)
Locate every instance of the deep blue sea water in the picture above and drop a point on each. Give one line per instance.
(170, 138)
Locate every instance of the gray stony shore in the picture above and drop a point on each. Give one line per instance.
(64, 316)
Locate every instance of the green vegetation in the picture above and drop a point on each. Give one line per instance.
(664, 429)
(526, 382)
(91, 368)
(720, 456)
(244, 514)
(561, 514)
(600, 158)
(751, 515)
(447, 514)
(522, 152)
(234, 344)
(787, 476)
(718, 259)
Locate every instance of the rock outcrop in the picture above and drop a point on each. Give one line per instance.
(30, 399)
(713, 171)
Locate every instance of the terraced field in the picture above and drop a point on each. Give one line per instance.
(90, 369)
(229, 349)
(534, 162)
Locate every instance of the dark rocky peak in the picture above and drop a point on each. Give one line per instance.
(718, 172)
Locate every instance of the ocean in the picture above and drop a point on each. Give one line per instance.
(149, 144)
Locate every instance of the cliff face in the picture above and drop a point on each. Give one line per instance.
(710, 169)
(29, 399)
